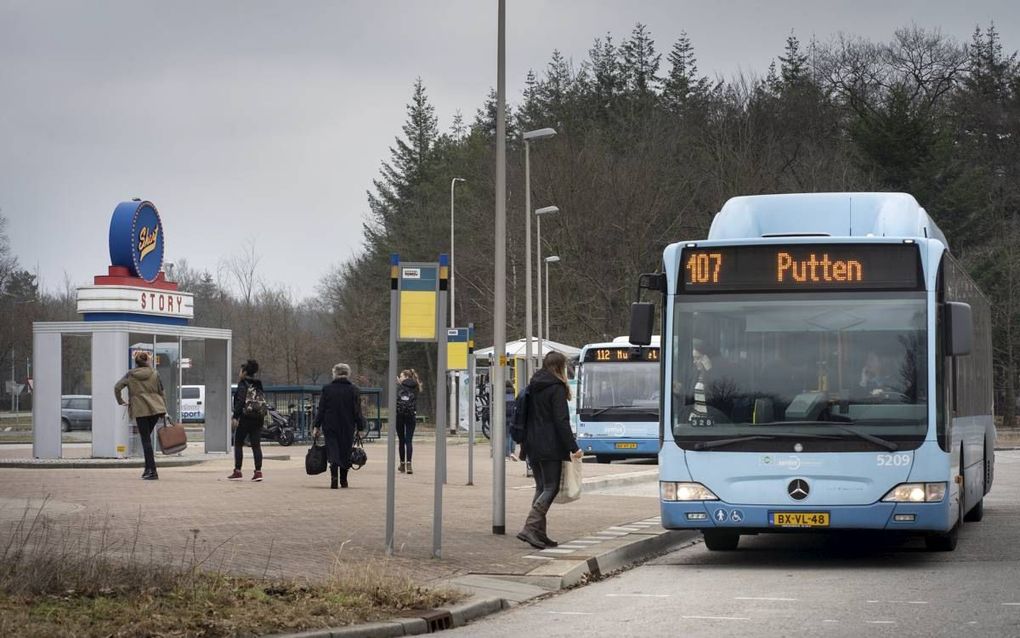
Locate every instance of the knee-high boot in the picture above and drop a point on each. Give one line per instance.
(533, 526)
(542, 536)
(332, 476)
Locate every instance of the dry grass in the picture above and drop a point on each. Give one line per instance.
(81, 581)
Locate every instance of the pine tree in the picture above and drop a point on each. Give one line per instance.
(682, 85)
(793, 67)
(458, 129)
(398, 191)
(640, 62)
(607, 78)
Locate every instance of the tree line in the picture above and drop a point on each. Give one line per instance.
(648, 149)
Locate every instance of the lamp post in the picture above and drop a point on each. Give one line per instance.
(453, 403)
(548, 260)
(537, 134)
(498, 417)
(547, 210)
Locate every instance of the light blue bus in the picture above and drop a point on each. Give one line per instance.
(828, 366)
(618, 400)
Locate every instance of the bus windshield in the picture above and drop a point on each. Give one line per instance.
(839, 372)
(612, 388)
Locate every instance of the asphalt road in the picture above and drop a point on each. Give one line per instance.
(845, 585)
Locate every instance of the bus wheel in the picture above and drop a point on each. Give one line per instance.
(976, 513)
(603, 458)
(721, 541)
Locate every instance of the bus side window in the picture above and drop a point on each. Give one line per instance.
(942, 399)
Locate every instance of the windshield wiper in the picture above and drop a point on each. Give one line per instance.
(598, 411)
(705, 445)
(889, 445)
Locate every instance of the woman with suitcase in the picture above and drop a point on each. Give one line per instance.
(146, 405)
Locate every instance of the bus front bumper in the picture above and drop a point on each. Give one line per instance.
(903, 517)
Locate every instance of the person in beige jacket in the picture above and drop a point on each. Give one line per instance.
(146, 404)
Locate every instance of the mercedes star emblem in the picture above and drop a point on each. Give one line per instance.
(798, 489)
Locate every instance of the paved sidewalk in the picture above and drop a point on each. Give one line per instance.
(292, 525)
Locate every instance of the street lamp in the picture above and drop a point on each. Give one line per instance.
(547, 210)
(453, 182)
(537, 134)
(548, 260)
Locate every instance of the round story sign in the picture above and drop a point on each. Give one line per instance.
(136, 239)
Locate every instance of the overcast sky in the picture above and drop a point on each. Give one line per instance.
(268, 120)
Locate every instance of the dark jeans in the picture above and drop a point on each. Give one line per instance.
(547, 482)
(146, 424)
(252, 430)
(405, 432)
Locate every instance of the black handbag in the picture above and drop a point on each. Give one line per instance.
(315, 458)
(358, 455)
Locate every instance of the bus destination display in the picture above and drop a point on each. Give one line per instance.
(801, 267)
(628, 353)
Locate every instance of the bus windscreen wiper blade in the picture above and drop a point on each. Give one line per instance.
(598, 411)
(705, 445)
(889, 445)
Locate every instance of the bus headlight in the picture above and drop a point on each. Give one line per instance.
(916, 493)
(673, 491)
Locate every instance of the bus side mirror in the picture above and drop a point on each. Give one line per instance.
(642, 322)
(959, 328)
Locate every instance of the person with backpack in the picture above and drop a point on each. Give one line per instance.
(250, 409)
(338, 417)
(548, 442)
(146, 405)
(408, 388)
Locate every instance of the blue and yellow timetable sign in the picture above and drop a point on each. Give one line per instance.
(418, 301)
(458, 346)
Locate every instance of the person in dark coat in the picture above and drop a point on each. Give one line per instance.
(339, 416)
(247, 426)
(549, 442)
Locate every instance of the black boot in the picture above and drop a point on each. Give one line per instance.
(532, 526)
(343, 478)
(332, 477)
(150, 475)
(542, 536)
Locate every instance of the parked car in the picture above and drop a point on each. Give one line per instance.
(192, 403)
(75, 412)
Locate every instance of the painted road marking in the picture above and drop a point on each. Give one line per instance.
(714, 618)
(1012, 604)
(559, 551)
(763, 598)
(585, 542)
(533, 557)
(570, 613)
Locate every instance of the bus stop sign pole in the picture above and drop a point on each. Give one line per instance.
(441, 425)
(391, 404)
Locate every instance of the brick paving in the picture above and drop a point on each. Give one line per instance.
(292, 525)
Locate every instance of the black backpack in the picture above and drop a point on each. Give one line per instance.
(406, 400)
(518, 425)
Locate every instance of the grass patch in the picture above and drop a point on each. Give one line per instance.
(83, 582)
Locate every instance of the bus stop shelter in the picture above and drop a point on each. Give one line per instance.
(112, 343)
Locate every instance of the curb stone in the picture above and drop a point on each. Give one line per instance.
(106, 464)
(457, 616)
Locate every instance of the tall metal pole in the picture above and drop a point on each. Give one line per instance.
(538, 266)
(471, 404)
(437, 504)
(498, 417)
(528, 334)
(391, 407)
(547, 301)
(453, 376)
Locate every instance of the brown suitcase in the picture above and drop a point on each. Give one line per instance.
(172, 437)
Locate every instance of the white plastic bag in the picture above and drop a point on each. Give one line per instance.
(570, 482)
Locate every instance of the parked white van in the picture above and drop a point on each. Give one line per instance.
(193, 403)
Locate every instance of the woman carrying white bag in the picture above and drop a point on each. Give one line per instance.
(549, 444)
